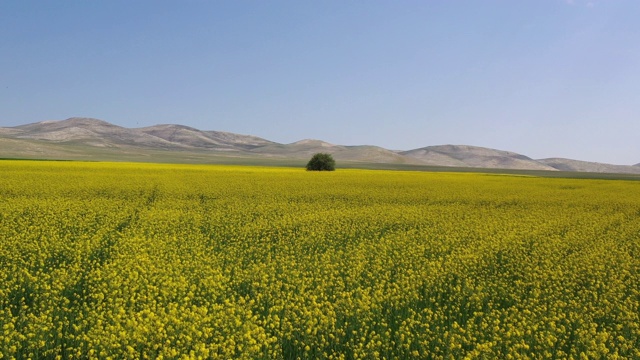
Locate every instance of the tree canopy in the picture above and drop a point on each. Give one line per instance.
(321, 162)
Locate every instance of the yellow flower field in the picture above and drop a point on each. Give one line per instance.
(128, 261)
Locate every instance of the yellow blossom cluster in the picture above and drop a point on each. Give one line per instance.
(151, 261)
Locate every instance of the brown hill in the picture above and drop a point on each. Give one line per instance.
(474, 156)
(93, 139)
(586, 166)
(187, 136)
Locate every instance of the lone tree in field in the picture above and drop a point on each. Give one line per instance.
(321, 162)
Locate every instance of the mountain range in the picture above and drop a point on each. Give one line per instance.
(93, 139)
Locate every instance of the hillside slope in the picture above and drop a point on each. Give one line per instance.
(93, 139)
(586, 166)
(474, 156)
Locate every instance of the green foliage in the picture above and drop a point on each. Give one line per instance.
(321, 162)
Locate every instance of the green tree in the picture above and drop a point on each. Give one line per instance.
(321, 162)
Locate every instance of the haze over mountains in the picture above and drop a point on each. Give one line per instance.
(92, 139)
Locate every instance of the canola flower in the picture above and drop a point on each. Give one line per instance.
(131, 261)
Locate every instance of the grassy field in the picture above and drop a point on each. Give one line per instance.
(131, 260)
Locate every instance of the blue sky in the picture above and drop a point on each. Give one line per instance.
(544, 78)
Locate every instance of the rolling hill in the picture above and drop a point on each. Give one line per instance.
(93, 139)
(586, 166)
(474, 156)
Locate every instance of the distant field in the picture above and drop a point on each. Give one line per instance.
(133, 260)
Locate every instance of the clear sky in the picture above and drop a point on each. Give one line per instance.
(544, 78)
